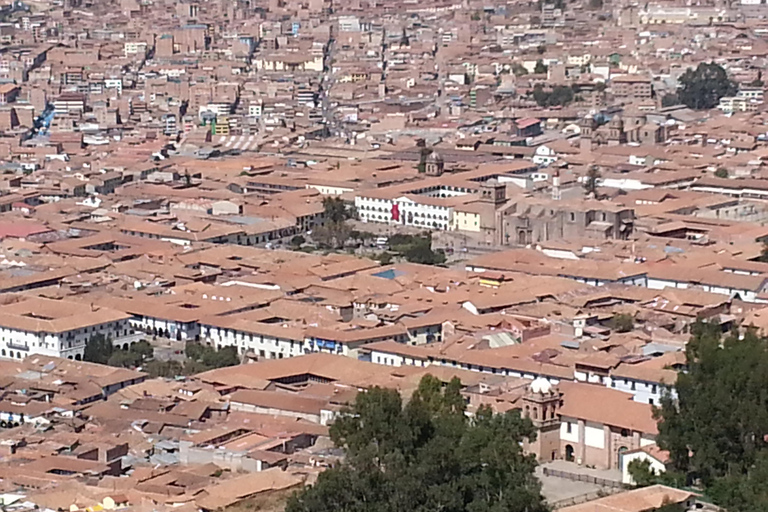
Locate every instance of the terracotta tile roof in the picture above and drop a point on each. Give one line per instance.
(279, 401)
(50, 316)
(221, 495)
(606, 406)
(645, 499)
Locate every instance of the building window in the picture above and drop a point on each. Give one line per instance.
(624, 432)
(569, 427)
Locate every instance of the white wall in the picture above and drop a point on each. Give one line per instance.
(573, 436)
(643, 392)
(386, 359)
(424, 215)
(594, 435)
(623, 184)
(16, 344)
(266, 346)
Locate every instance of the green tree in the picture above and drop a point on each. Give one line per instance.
(744, 493)
(670, 100)
(202, 358)
(124, 359)
(417, 249)
(422, 253)
(335, 231)
(425, 456)
(702, 88)
(98, 349)
(518, 69)
(195, 351)
(540, 68)
(165, 369)
(142, 349)
(385, 257)
(560, 95)
(716, 430)
(297, 241)
(134, 356)
(641, 472)
(721, 172)
(336, 210)
(622, 322)
(192, 367)
(225, 356)
(591, 181)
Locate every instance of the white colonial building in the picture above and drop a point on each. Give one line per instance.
(407, 210)
(267, 341)
(56, 328)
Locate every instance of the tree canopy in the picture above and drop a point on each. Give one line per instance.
(592, 181)
(336, 210)
(165, 369)
(669, 100)
(202, 357)
(417, 248)
(424, 456)
(702, 88)
(199, 358)
(622, 322)
(335, 231)
(716, 430)
(560, 95)
(98, 349)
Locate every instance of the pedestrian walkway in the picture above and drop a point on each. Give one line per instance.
(572, 467)
(241, 142)
(581, 484)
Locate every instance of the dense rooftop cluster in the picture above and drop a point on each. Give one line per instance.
(253, 211)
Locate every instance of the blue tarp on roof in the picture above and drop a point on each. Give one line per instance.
(389, 274)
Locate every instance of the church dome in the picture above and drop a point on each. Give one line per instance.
(541, 386)
(434, 158)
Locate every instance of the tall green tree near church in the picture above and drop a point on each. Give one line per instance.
(424, 456)
(715, 431)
